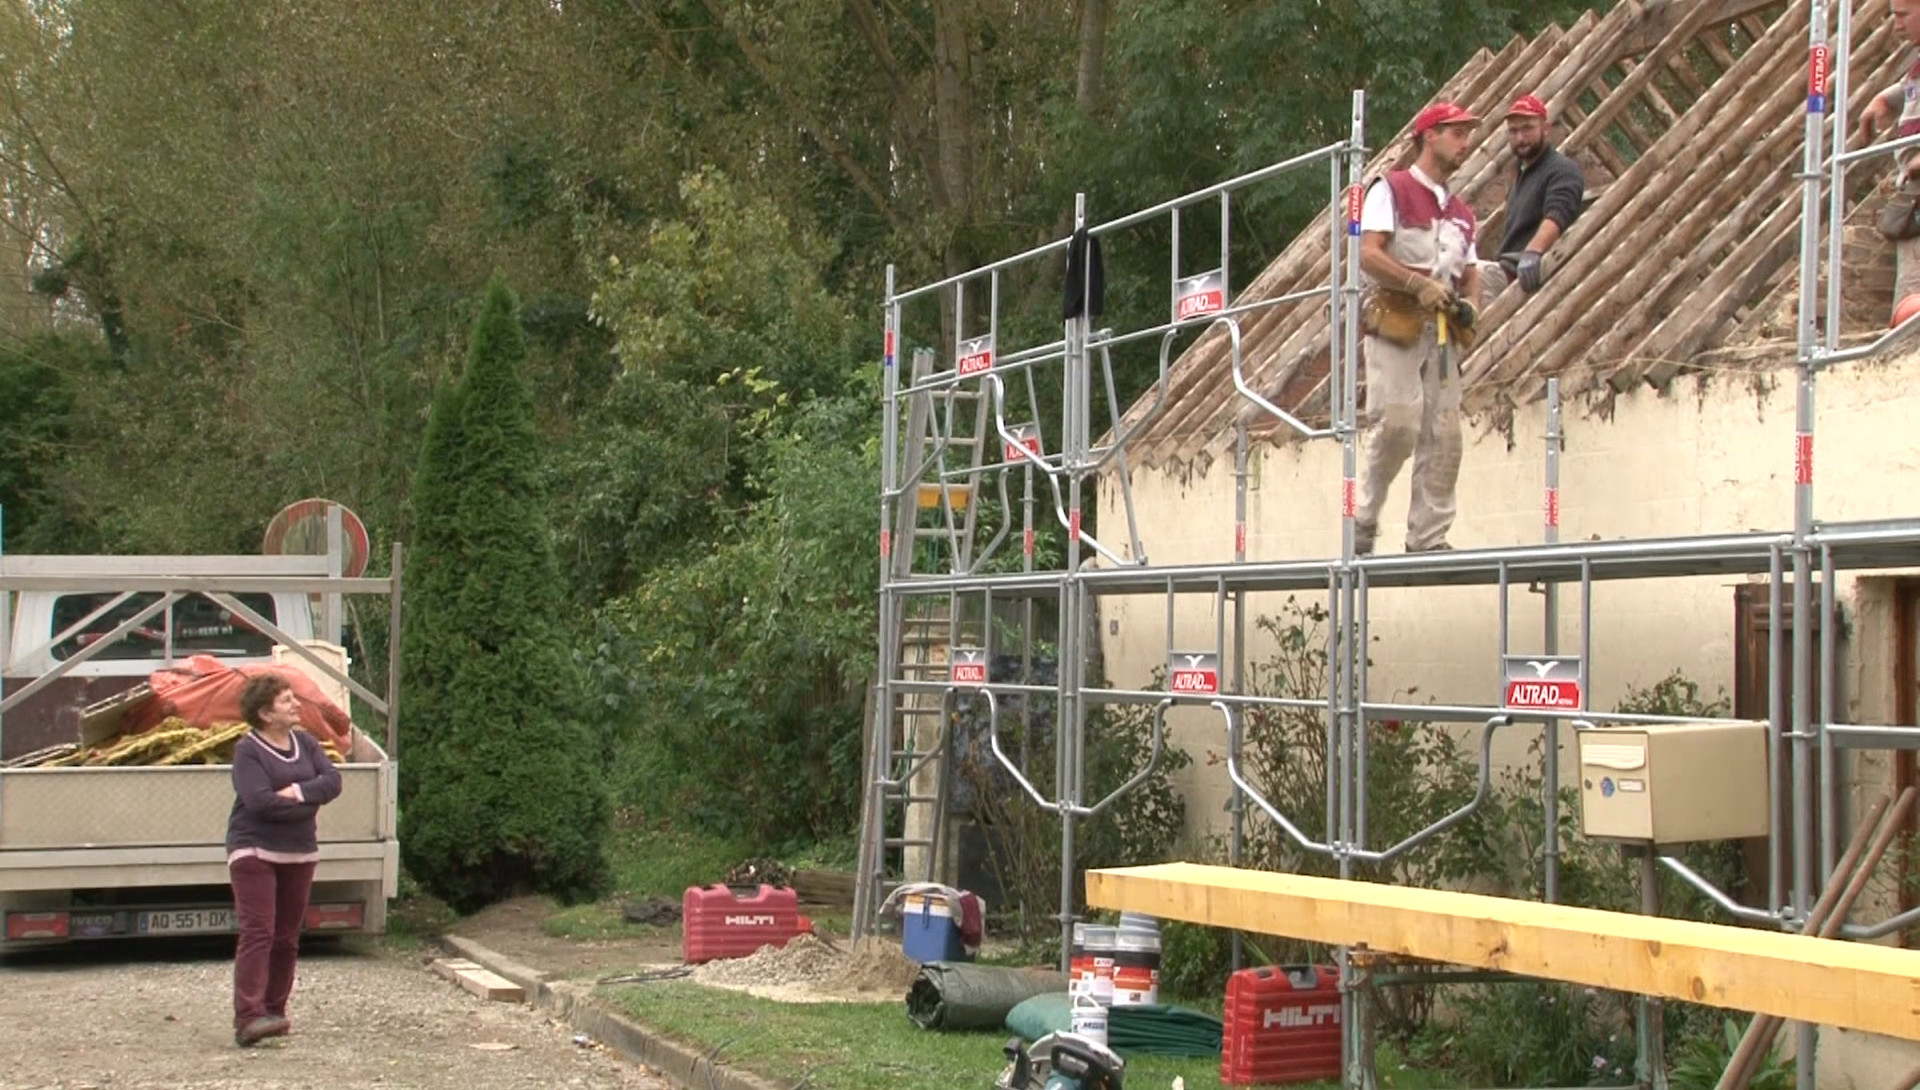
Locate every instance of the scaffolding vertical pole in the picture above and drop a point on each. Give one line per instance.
(1836, 184)
(1070, 728)
(1354, 1061)
(1550, 759)
(1343, 225)
(1829, 820)
(1776, 732)
(1649, 1014)
(1237, 800)
(873, 831)
(1819, 57)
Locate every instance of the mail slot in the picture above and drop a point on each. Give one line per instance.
(1673, 783)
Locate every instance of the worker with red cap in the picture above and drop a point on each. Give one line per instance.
(1542, 202)
(1416, 251)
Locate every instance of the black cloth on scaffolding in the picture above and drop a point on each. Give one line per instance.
(1084, 269)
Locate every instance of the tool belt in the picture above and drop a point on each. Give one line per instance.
(1397, 318)
(1394, 316)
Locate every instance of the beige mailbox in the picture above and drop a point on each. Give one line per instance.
(1673, 783)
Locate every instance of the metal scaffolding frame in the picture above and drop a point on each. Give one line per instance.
(1801, 736)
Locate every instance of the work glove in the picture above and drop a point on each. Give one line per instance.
(1529, 272)
(1430, 293)
(1461, 313)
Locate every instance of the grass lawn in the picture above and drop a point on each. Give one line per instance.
(862, 1046)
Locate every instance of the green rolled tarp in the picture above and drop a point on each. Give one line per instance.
(952, 995)
(1158, 1029)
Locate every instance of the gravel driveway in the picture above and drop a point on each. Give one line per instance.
(112, 1017)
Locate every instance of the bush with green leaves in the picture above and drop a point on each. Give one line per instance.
(500, 786)
(736, 680)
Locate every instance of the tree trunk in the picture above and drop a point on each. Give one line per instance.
(953, 120)
(1093, 56)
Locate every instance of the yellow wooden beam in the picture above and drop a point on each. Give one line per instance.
(1797, 977)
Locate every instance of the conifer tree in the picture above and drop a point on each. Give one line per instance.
(501, 785)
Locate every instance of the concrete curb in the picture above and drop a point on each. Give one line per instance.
(573, 1003)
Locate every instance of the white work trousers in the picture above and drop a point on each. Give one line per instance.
(1411, 411)
(1906, 269)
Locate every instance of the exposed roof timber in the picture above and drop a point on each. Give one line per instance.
(1679, 240)
(1662, 18)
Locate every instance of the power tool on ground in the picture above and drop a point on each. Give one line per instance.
(1060, 1061)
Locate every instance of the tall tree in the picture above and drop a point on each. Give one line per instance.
(504, 792)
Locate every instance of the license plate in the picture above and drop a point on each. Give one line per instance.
(185, 921)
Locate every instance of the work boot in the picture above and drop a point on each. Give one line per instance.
(1438, 547)
(1363, 539)
(259, 1030)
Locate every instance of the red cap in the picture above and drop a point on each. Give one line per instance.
(1527, 106)
(1440, 113)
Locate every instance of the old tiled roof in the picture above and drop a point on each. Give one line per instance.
(1687, 117)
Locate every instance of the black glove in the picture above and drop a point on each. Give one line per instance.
(1529, 272)
(1461, 313)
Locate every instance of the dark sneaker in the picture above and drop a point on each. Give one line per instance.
(259, 1030)
(1442, 547)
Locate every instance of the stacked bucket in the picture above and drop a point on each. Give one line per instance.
(1112, 966)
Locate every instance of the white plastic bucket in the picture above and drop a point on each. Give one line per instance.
(1089, 1019)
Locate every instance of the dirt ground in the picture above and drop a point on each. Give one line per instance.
(512, 928)
(113, 1017)
(828, 969)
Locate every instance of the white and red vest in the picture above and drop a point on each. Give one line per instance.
(1438, 241)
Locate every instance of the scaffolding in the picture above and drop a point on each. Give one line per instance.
(933, 576)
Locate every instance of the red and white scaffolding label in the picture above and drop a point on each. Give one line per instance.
(1819, 70)
(1803, 457)
(1347, 503)
(1354, 201)
(975, 356)
(1553, 508)
(1544, 683)
(886, 544)
(1197, 296)
(969, 666)
(1193, 672)
(1025, 437)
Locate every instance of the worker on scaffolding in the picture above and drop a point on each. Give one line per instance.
(1898, 108)
(1542, 202)
(1416, 251)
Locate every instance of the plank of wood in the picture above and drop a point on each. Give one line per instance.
(480, 980)
(1797, 977)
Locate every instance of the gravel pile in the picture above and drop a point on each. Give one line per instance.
(803, 960)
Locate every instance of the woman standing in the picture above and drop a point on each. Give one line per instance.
(280, 781)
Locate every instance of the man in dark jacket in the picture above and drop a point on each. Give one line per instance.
(1542, 203)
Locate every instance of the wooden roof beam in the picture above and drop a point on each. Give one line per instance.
(1662, 18)
(1796, 977)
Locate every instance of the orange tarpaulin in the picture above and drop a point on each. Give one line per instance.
(204, 691)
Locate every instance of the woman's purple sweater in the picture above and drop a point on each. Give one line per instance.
(264, 821)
